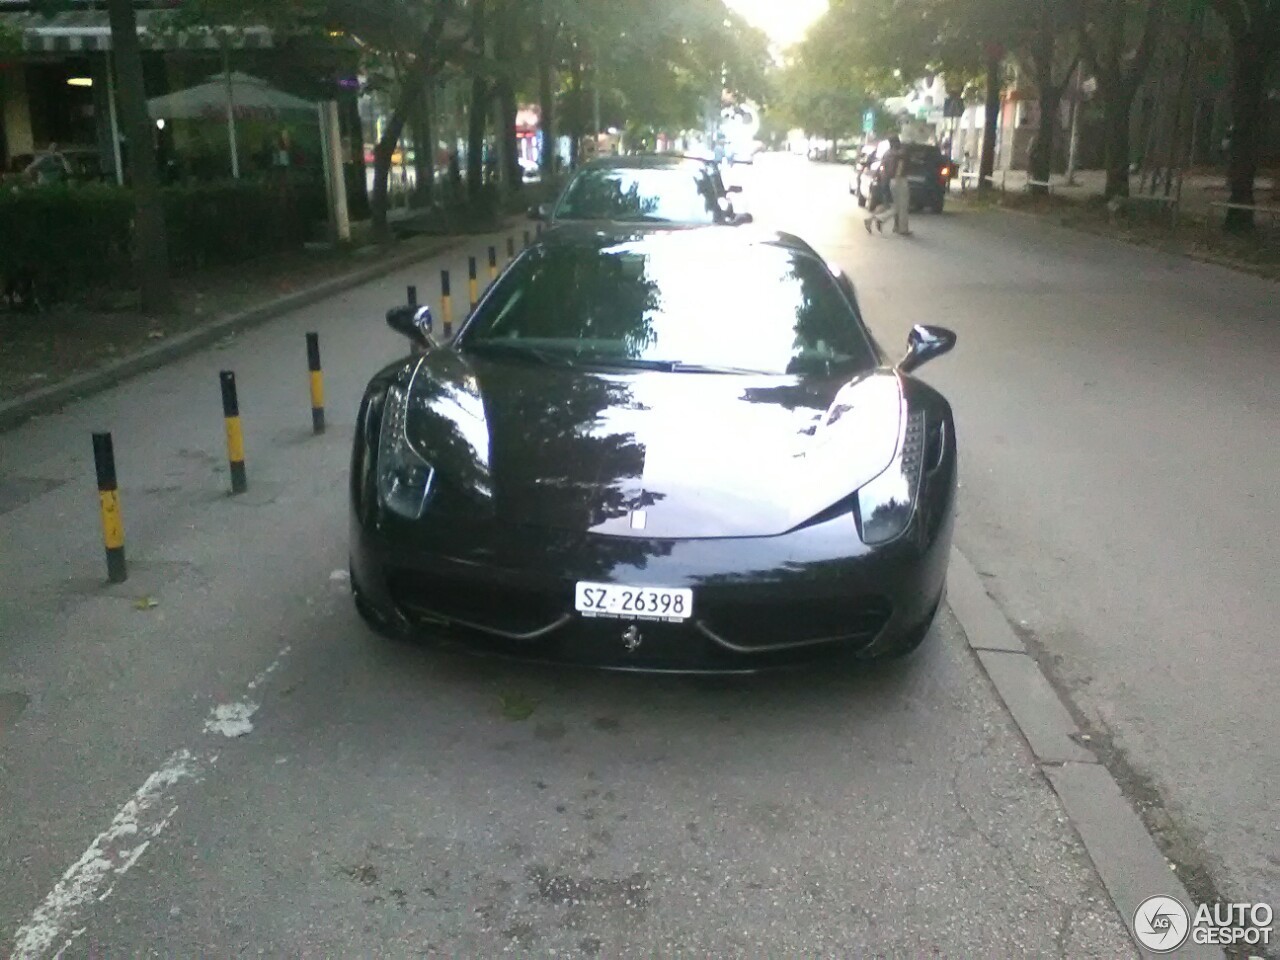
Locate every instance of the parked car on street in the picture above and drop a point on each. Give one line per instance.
(928, 172)
(646, 188)
(656, 449)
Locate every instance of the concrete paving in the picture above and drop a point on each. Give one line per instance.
(218, 758)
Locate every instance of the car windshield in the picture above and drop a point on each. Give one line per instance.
(631, 195)
(678, 302)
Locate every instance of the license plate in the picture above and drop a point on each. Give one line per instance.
(633, 603)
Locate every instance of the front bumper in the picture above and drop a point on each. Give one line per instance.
(760, 602)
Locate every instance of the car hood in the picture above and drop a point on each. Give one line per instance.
(659, 455)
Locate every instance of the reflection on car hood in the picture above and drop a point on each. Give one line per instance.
(702, 455)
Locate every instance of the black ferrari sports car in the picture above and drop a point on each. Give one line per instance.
(657, 450)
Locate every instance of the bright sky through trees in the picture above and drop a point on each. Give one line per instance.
(785, 21)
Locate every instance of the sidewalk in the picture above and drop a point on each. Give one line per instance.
(1198, 232)
(72, 350)
(1198, 189)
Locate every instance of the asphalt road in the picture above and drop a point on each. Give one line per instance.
(217, 757)
(1117, 411)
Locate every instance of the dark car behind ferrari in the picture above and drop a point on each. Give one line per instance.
(668, 189)
(659, 450)
(928, 172)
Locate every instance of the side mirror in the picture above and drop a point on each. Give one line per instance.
(923, 344)
(736, 188)
(540, 212)
(413, 323)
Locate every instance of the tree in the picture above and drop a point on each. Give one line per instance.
(150, 240)
(1118, 38)
(818, 96)
(1052, 62)
(895, 41)
(1254, 28)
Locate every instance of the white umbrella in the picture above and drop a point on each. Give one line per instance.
(230, 95)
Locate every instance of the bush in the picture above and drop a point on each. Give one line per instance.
(71, 238)
(236, 220)
(64, 238)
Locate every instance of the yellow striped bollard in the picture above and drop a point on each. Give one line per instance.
(446, 303)
(235, 435)
(473, 281)
(104, 464)
(317, 382)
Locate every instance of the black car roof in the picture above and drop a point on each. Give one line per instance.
(600, 234)
(644, 161)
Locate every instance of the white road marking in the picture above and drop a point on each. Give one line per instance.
(231, 719)
(271, 668)
(111, 855)
(116, 850)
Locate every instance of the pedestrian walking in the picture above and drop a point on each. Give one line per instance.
(899, 187)
(878, 205)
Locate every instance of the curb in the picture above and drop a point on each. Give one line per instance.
(52, 398)
(1124, 855)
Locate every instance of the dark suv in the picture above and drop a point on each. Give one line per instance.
(928, 171)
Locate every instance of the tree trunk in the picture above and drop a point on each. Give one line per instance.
(151, 245)
(987, 167)
(1250, 55)
(381, 171)
(576, 120)
(511, 171)
(353, 165)
(1040, 163)
(546, 97)
(424, 152)
(1117, 155)
(476, 120)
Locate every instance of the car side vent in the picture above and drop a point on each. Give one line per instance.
(937, 445)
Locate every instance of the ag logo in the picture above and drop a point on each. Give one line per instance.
(1161, 924)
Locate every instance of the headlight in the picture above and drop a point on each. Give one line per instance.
(885, 505)
(404, 478)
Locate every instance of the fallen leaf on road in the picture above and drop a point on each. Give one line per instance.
(517, 706)
(145, 603)
(155, 335)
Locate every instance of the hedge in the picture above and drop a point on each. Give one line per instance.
(71, 238)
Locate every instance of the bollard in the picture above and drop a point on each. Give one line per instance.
(235, 438)
(539, 231)
(413, 295)
(471, 279)
(511, 249)
(493, 264)
(446, 303)
(526, 239)
(104, 464)
(317, 382)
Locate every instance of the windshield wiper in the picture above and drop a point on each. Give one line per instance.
(669, 366)
(547, 357)
(679, 367)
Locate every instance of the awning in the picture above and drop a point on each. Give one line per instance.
(80, 30)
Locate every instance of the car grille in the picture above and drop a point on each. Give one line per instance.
(761, 626)
(515, 612)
